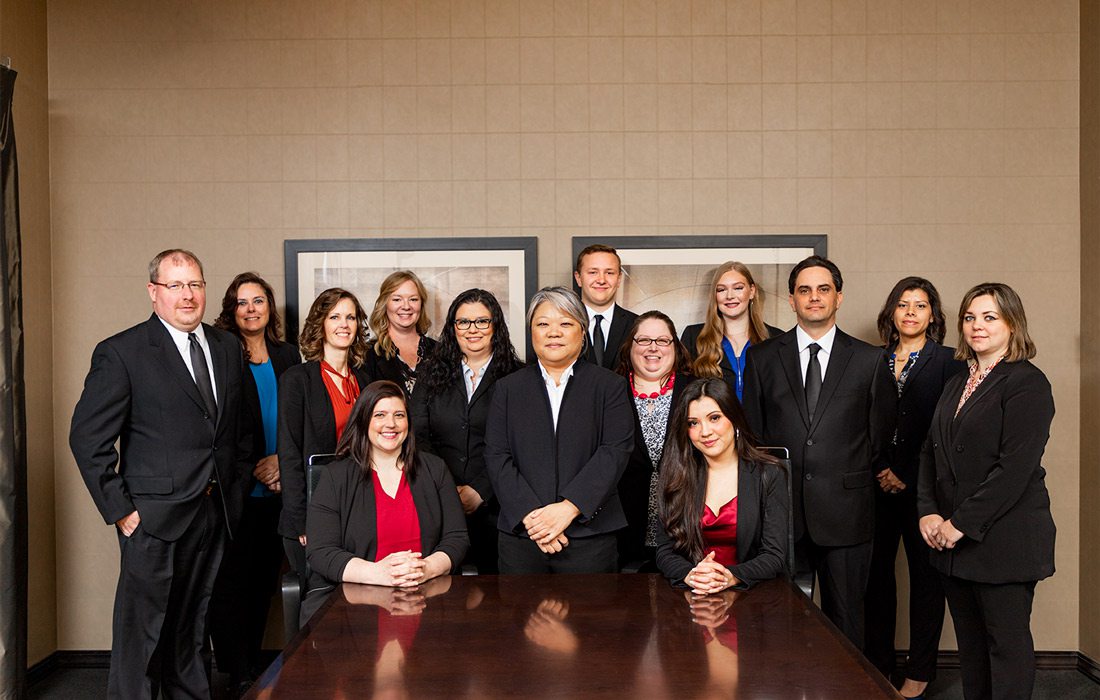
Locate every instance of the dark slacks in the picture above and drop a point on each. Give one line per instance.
(993, 627)
(481, 525)
(896, 518)
(161, 601)
(248, 577)
(584, 555)
(842, 574)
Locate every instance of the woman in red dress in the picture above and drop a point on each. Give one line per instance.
(723, 502)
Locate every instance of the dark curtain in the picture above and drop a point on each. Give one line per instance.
(13, 419)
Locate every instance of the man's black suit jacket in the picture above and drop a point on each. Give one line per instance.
(835, 458)
(621, 320)
(139, 392)
(983, 471)
(307, 426)
(531, 465)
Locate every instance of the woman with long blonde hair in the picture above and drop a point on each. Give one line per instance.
(734, 321)
(400, 323)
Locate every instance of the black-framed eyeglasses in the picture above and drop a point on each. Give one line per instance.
(463, 324)
(659, 342)
(176, 287)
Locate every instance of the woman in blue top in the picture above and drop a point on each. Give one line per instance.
(734, 321)
(250, 568)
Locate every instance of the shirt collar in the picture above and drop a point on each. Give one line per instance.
(565, 376)
(606, 313)
(825, 342)
(468, 371)
(180, 337)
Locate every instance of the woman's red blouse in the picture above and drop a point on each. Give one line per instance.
(720, 533)
(397, 525)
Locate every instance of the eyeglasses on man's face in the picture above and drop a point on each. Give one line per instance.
(176, 287)
(463, 324)
(659, 342)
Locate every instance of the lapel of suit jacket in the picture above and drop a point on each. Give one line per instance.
(220, 357)
(423, 493)
(748, 508)
(320, 406)
(480, 390)
(991, 380)
(922, 361)
(169, 356)
(537, 387)
(788, 358)
(834, 373)
(615, 337)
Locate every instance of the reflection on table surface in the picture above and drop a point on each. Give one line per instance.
(568, 636)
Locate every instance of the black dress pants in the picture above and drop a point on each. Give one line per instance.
(247, 579)
(842, 574)
(896, 518)
(584, 555)
(993, 627)
(159, 623)
(481, 525)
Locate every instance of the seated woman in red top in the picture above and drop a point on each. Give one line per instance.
(383, 514)
(723, 502)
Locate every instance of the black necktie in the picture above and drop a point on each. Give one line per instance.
(813, 380)
(202, 376)
(598, 340)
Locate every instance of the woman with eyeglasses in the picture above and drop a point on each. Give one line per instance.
(656, 364)
(734, 321)
(249, 572)
(451, 407)
(400, 323)
(315, 401)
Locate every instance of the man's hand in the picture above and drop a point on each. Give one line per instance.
(129, 523)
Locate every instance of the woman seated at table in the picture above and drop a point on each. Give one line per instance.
(723, 502)
(384, 513)
(656, 364)
(558, 439)
(734, 321)
(315, 400)
(451, 406)
(400, 322)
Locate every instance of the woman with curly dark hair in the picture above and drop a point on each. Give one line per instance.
(451, 406)
(315, 402)
(249, 571)
(723, 501)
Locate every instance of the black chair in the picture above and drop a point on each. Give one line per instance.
(291, 586)
(805, 582)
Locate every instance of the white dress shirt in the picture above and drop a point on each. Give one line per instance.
(556, 391)
(468, 377)
(605, 324)
(826, 344)
(183, 345)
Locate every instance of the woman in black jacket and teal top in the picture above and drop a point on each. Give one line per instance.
(911, 324)
(734, 321)
(315, 400)
(451, 407)
(724, 507)
(982, 497)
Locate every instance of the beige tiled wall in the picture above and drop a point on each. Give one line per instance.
(931, 137)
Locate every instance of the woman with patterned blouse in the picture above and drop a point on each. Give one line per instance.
(656, 363)
(400, 323)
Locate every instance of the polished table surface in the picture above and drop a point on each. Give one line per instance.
(569, 636)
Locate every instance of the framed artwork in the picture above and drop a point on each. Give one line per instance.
(507, 267)
(673, 273)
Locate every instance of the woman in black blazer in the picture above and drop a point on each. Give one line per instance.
(249, 571)
(400, 323)
(314, 404)
(558, 439)
(911, 324)
(982, 494)
(383, 514)
(734, 321)
(723, 507)
(451, 407)
(656, 365)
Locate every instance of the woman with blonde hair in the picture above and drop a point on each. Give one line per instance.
(400, 324)
(734, 321)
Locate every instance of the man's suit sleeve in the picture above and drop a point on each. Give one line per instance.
(752, 400)
(98, 420)
(883, 414)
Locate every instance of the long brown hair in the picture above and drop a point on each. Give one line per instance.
(355, 442)
(683, 471)
(312, 339)
(380, 322)
(708, 347)
(227, 319)
(1020, 344)
(937, 325)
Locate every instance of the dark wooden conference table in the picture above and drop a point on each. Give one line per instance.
(569, 636)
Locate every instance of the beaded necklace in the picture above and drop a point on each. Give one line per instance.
(664, 390)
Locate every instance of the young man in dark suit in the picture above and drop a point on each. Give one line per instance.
(819, 392)
(168, 390)
(598, 273)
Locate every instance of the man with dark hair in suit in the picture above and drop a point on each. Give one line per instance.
(828, 398)
(168, 391)
(598, 273)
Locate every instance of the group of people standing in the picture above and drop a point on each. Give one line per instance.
(621, 445)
